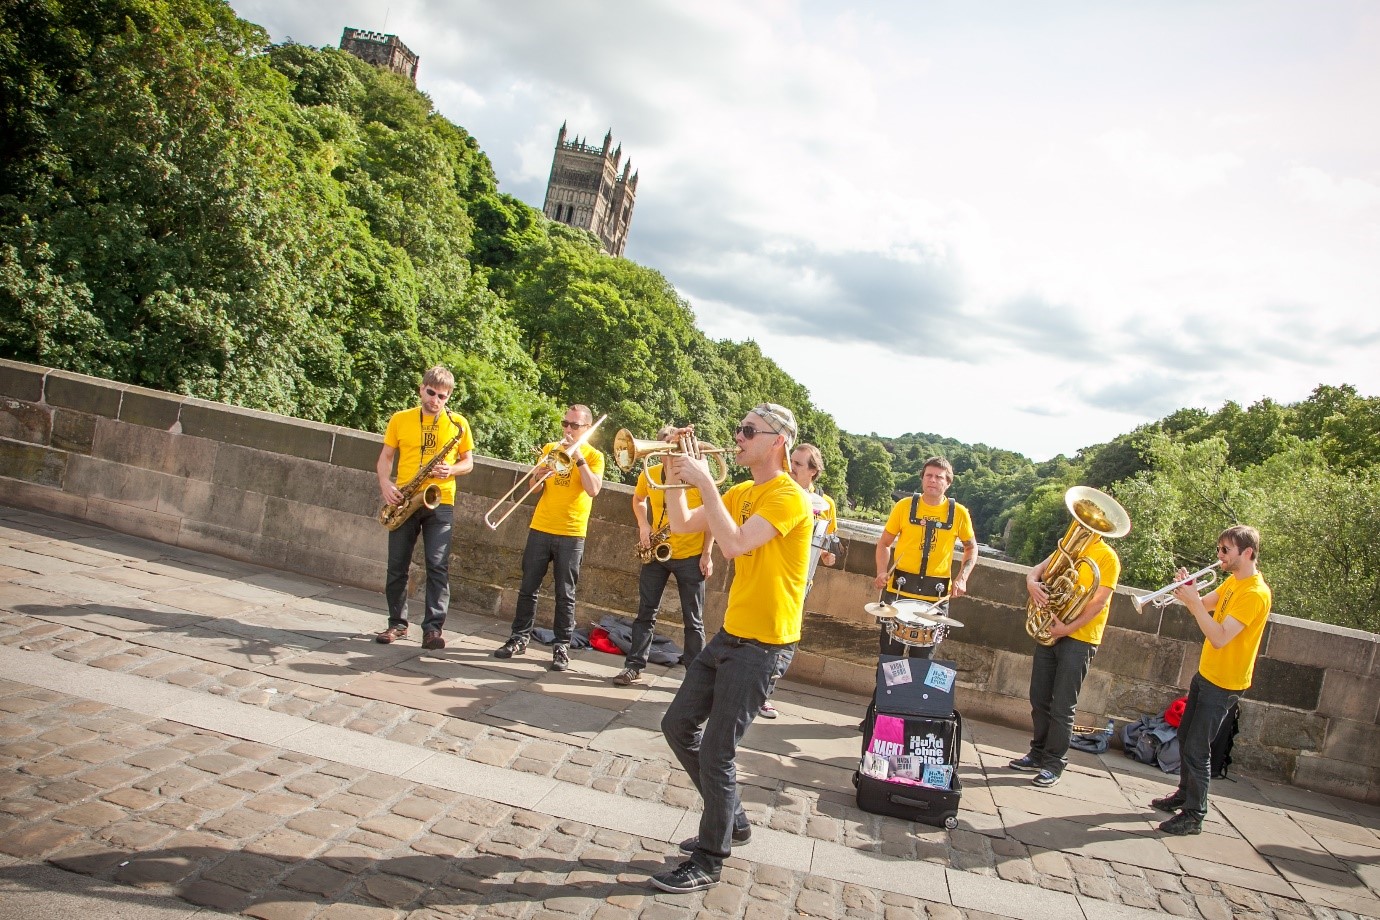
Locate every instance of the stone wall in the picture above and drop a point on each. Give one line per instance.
(300, 495)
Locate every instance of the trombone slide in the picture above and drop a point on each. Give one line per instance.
(558, 460)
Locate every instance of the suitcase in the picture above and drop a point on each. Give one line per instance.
(936, 742)
(922, 691)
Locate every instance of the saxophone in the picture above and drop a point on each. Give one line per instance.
(659, 548)
(1095, 514)
(413, 495)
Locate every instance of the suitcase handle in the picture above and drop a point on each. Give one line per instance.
(905, 800)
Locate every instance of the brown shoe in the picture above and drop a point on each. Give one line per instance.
(391, 634)
(432, 639)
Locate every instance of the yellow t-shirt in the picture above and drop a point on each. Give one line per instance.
(563, 508)
(768, 590)
(1248, 602)
(827, 510)
(417, 438)
(683, 545)
(1109, 573)
(910, 538)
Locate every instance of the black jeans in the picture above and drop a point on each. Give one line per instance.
(1056, 676)
(724, 689)
(1204, 713)
(544, 550)
(434, 525)
(651, 585)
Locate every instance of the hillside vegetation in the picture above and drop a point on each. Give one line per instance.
(185, 206)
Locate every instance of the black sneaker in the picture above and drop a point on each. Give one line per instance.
(685, 878)
(560, 658)
(1046, 778)
(1183, 825)
(740, 835)
(515, 645)
(1026, 764)
(1170, 803)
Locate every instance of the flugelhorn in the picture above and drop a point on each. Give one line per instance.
(559, 460)
(628, 451)
(1165, 596)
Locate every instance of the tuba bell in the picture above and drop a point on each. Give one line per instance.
(1095, 514)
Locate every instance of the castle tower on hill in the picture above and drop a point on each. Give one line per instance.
(381, 50)
(586, 190)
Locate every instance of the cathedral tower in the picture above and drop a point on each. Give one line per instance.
(587, 191)
(385, 51)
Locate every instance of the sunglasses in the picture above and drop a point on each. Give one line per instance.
(569, 424)
(748, 432)
(435, 395)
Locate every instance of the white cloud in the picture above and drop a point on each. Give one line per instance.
(1347, 195)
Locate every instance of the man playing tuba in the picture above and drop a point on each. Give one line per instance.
(1071, 590)
(690, 561)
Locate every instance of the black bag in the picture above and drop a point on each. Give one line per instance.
(1220, 751)
(926, 742)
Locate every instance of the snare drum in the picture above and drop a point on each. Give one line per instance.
(911, 627)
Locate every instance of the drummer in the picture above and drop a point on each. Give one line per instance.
(915, 553)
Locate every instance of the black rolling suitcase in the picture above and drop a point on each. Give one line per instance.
(916, 777)
(909, 764)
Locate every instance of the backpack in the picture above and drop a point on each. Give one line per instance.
(1222, 743)
(1150, 739)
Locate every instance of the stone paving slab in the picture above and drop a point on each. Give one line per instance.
(297, 756)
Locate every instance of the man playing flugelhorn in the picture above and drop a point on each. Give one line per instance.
(1232, 620)
(690, 562)
(414, 437)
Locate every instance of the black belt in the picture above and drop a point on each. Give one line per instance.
(738, 641)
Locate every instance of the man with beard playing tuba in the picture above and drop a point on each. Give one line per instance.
(687, 556)
(1069, 597)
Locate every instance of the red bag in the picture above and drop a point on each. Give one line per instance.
(599, 640)
(1175, 713)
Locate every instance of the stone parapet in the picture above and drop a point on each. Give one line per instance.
(301, 496)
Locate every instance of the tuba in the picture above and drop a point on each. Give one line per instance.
(1095, 514)
(414, 495)
(659, 548)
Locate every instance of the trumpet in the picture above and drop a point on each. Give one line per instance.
(559, 460)
(628, 450)
(1165, 596)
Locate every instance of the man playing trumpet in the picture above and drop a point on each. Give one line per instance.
(1232, 620)
(690, 561)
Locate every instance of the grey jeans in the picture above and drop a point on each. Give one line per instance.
(1204, 713)
(1056, 676)
(724, 689)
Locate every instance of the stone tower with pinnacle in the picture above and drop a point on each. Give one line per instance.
(586, 190)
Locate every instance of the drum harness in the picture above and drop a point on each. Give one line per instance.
(930, 524)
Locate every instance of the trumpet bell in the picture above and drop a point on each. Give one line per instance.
(628, 451)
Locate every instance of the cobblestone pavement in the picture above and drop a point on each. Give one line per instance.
(140, 675)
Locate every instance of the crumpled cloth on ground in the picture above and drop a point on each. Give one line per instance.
(663, 650)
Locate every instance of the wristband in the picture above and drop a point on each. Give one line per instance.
(580, 462)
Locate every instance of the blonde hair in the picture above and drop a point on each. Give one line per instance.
(438, 376)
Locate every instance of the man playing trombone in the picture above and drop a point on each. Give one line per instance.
(557, 536)
(1232, 620)
(689, 560)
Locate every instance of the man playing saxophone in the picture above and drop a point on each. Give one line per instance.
(690, 561)
(1059, 668)
(1232, 620)
(414, 438)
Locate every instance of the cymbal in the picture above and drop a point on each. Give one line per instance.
(880, 610)
(942, 619)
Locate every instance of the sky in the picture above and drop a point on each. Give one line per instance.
(1029, 225)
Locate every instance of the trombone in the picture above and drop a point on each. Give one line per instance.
(628, 450)
(559, 460)
(1165, 596)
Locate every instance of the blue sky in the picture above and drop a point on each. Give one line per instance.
(1033, 226)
